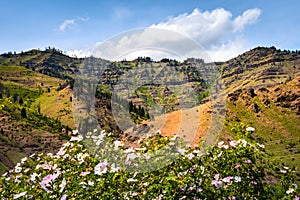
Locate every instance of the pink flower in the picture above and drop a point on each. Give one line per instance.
(217, 184)
(64, 197)
(227, 179)
(254, 182)
(220, 144)
(248, 161)
(84, 173)
(233, 143)
(238, 166)
(101, 168)
(49, 178)
(217, 176)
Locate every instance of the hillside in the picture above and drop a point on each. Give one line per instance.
(262, 86)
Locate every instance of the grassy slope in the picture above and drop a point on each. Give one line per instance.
(35, 133)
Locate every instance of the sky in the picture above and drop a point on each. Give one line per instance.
(221, 28)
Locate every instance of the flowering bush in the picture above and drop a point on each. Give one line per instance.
(103, 169)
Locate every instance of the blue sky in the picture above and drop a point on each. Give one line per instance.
(73, 26)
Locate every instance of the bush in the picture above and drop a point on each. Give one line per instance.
(106, 170)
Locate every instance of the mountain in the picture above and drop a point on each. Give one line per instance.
(262, 88)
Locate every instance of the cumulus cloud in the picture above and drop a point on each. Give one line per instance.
(70, 22)
(249, 17)
(217, 32)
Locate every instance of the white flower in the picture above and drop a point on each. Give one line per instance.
(101, 168)
(23, 160)
(290, 191)
(91, 183)
(217, 184)
(283, 171)
(202, 169)
(190, 156)
(217, 176)
(130, 150)
(227, 179)
(74, 132)
(261, 145)
(64, 197)
(250, 129)
(76, 138)
(295, 185)
(118, 144)
(233, 143)
(16, 196)
(33, 176)
(62, 185)
(61, 152)
(237, 179)
(220, 144)
(131, 180)
(244, 142)
(18, 169)
(141, 149)
(113, 168)
(225, 146)
(181, 151)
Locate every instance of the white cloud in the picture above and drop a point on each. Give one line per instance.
(248, 17)
(79, 53)
(218, 33)
(70, 22)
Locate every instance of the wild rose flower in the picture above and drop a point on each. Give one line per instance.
(76, 138)
(17, 179)
(64, 197)
(18, 169)
(250, 129)
(283, 171)
(190, 156)
(181, 151)
(290, 191)
(244, 142)
(33, 176)
(84, 173)
(23, 160)
(91, 183)
(16, 196)
(220, 144)
(117, 144)
(233, 143)
(101, 168)
(237, 179)
(62, 185)
(217, 184)
(227, 179)
(131, 180)
(217, 176)
(48, 179)
(237, 166)
(61, 152)
(113, 168)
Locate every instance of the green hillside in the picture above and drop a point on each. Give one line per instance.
(262, 86)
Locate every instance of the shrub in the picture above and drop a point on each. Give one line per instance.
(107, 170)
